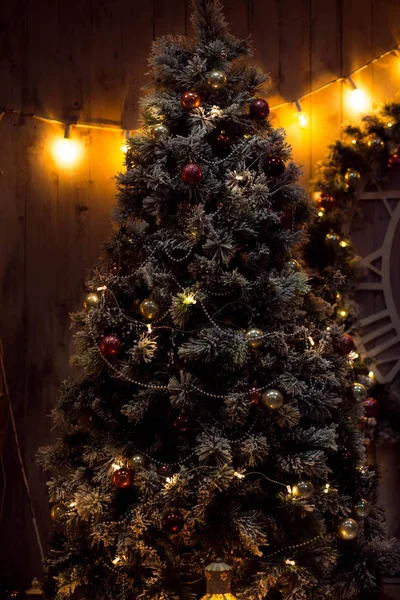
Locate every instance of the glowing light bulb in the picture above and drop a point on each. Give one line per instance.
(302, 118)
(357, 98)
(66, 151)
(190, 299)
(239, 475)
(371, 375)
(344, 244)
(290, 562)
(124, 146)
(326, 488)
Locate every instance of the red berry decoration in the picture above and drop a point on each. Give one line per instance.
(173, 521)
(181, 423)
(190, 100)
(344, 345)
(371, 408)
(254, 395)
(274, 166)
(122, 478)
(191, 174)
(259, 109)
(110, 346)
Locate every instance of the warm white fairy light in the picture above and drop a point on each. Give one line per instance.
(72, 504)
(149, 328)
(189, 299)
(66, 151)
(115, 466)
(239, 475)
(289, 489)
(344, 243)
(357, 98)
(302, 118)
(102, 288)
(312, 343)
(326, 488)
(371, 375)
(353, 355)
(124, 145)
(290, 562)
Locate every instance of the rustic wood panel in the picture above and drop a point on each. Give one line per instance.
(88, 58)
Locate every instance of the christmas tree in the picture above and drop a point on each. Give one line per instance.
(216, 416)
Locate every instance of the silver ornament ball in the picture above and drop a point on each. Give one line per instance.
(254, 337)
(303, 489)
(216, 79)
(272, 399)
(159, 131)
(362, 508)
(359, 391)
(348, 529)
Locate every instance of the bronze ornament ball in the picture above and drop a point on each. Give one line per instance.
(303, 489)
(122, 478)
(191, 174)
(352, 176)
(160, 130)
(149, 309)
(254, 337)
(272, 399)
(58, 513)
(344, 345)
(190, 100)
(293, 265)
(182, 423)
(332, 239)
(348, 529)
(259, 109)
(91, 301)
(173, 521)
(274, 166)
(362, 508)
(358, 391)
(110, 346)
(216, 79)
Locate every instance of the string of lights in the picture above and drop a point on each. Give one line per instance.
(67, 150)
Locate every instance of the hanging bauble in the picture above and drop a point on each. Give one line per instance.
(216, 79)
(375, 142)
(137, 461)
(291, 264)
(303, 489)
(110, 346)
(325, 200)
(394, 162)
(362, 508)
(91, 301)
(272, 399)
(182, 423)
(190, 100)
(191, 174)
(223, 143)
(371, 408)
(173, 521)
(218, 581)
(254, 395)
(159, 131)
(332, 239)
(122, 478)
(259, 109)
(165, 471)
(15, 595)
(344, 345)
(58, 513)
(274, 166)
(149, 309)
(358, 391)
(254, 337)
(348, 529)
(352, 176)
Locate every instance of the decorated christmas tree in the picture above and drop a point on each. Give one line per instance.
(215, 424)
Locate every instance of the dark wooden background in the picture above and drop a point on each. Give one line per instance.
(87, 58)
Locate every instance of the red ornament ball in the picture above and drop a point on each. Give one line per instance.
(173, 521)
(274, 166)
(259, 109)
(223, 143)
(190, 100)
(122, 478)
(165, 471)
(371, 408)
(191, 174)
(254, 395)
(344, 345)
(181, 423)
(110, 346)
(325, 200)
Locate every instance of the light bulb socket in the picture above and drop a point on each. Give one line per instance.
(298, 106)
(67, 131)
(350, 82)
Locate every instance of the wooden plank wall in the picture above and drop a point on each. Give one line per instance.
(88, 57)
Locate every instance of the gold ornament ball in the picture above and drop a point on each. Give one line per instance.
(58, 513)
(91, 301)
(293, 265)
(352, 176)
(332, 239)
(362, 509)
(359, 391)
(137, 461)
(272, 399)
(348, 529)
(159, 131)
(303, 489)
(149, 309)
(254, 337)
(216, 80)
